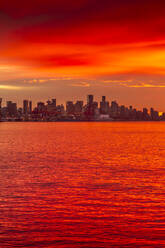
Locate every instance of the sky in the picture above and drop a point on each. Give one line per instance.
(67, 49)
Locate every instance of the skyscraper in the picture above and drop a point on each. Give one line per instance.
(11, 109)
(104, 106)
(89, 99)
(69, 107)
(114, 110)
(0, 107)
(54, 102)
(30, 107)
(25, 107)
(78, 107)
(103, 98)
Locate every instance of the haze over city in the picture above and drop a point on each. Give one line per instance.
(67, 48)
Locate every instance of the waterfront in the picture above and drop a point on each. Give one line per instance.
(87, 184)
(91, 111)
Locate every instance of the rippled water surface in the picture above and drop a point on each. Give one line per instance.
(82, 185)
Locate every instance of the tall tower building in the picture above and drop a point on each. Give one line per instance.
(54, 102)
(69, 107)
(0, 108)
(78, 107)
(25, 107)
(103, 98)
(89, 99)
(104, 106)
(11, 108)
(30, 107)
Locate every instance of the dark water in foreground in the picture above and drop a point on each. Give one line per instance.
(82, 185)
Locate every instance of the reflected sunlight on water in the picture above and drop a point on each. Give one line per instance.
(82, 185)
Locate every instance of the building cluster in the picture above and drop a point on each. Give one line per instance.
(78, 111)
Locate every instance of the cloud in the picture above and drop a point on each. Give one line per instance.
(134, 83)
(35, 81)
(81, 84)
(58, 41)
(10, 87)
(143, 85)
(117, 81)
(39, 81)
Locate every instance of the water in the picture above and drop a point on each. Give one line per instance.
(82, 185)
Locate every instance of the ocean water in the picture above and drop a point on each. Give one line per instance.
(82, 184)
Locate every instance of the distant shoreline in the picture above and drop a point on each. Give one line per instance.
(35, 121)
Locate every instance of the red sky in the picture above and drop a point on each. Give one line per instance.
(67, 49)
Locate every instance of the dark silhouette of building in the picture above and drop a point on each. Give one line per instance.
(41, 106)
(146, 116)
(77, 111)
(11, 109)
(78, 107)
(154, 114)
(70, 107)
(53, 102)
(91, 109)
(30, 107)
(0, 108)
(25, 107)
(89, 99)
(104, 106)
(114, 110)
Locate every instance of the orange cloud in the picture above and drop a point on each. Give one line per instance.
(44, 40)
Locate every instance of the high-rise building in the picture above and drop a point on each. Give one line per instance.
(122, 112)
(51, 106)
(11, 109)
(0, 108)
(154, 114)
(89, 99)
(60, 109)
(103, 98)
(30, 107)
(145, 114)
(91, 109)
(69, 107)
(25, 107)
(104, 106)
(114, 110)
(53, 102)
(78, 107)
(40, 106)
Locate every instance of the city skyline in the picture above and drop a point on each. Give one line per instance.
(78, 110)
(62, 99)
(75, 48)
(64, 102)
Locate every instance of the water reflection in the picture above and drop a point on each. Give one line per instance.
(82, 184)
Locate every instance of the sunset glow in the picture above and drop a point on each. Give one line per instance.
(87, 40)
(82, 123)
